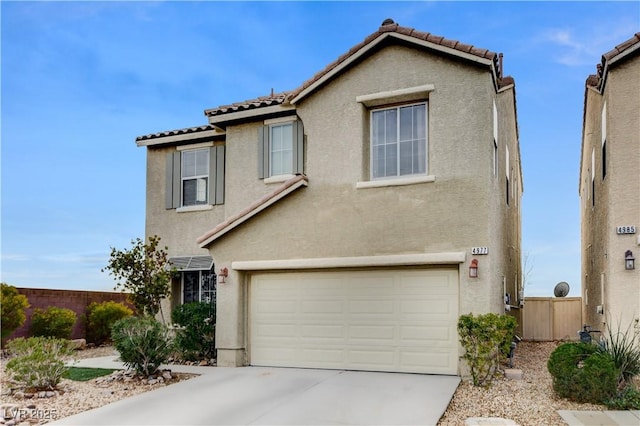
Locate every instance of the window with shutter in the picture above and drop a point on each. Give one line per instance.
(280, 149)
(195, 177)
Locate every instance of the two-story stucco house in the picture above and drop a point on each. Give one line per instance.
(349, 222)
(610, 190)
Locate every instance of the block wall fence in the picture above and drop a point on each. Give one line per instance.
(76, 300)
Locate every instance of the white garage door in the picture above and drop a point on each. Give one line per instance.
(392, 320)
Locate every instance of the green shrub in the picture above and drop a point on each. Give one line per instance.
(143, 343)
(624, 349)
(196, 337)
(582, 373)
(485, 338)
(52, 322)
(38, 362)
(12, 305)
(627, 399)
(100, 318)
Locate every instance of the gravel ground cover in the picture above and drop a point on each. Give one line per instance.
(72, 397)
(530, 401)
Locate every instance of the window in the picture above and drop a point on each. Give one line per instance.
(195, 176)
(604, 140)
(507, 174)
(280, 148)
(399, 141)
(495, 139)
(199, 286)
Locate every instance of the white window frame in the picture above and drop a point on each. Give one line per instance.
(197, 177)
(426, 142)
(287, 167)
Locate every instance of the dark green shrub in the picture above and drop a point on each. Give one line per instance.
(100, 318)
(485, 338)
(12, 305)
(581, 373)
(195, 337)
(143, 343)
(52, 322)
(38, 362)
(627, 399)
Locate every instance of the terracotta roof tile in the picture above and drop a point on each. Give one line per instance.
(262, 101)
(176, 132)
(387, 26)
(622, 47)
(596, 80)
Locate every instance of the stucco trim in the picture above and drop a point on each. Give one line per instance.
(395, 182)
(445, 258)
(256, 207)
(398, 95)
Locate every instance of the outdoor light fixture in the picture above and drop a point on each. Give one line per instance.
(473, 269)
(629, 260)
(222, 276)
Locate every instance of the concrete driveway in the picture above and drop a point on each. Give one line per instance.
(283, 396)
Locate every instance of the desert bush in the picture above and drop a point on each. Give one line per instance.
(12, 305)
(485, 338)
(38, 362)
(101, 317)
(52, 322)
(582, 373)
(623, 346)
(627, 399)
(143, 343)
(195, 339)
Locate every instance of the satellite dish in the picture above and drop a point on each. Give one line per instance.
(561, 289)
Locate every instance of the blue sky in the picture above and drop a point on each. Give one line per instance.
(80, 80)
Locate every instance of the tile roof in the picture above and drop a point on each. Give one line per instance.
(177, 132)
(263, 101)
(628, 46)
(388, 26)
(256, 207)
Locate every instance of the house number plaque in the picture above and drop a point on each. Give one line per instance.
(626, 230)
(479, 250)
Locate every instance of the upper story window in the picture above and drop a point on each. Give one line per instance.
(399, 141)
(280, 147)
(195, 177)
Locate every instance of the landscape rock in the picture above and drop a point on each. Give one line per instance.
(79, 344)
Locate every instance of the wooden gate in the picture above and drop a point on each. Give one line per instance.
(552, 318)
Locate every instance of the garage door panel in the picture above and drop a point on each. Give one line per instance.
(372, 333)
(400, 320)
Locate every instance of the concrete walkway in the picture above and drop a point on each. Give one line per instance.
(278, 396)
(255, 395)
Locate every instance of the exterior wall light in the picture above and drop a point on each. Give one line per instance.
(222, 276)
(473, 269)
(629, 260)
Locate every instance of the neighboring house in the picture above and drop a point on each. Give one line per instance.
(610, 190)
(348, 212)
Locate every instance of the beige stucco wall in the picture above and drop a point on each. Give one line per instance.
(605, 281)
(463, 207)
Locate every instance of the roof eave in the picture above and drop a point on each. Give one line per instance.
(374, 43)
(180, 139)
(225, 119)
